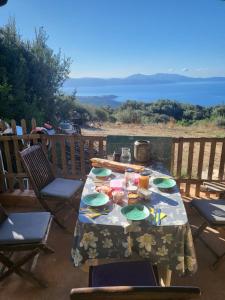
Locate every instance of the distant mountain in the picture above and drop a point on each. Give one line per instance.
(136, 79)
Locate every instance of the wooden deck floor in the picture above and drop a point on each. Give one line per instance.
(62, 276)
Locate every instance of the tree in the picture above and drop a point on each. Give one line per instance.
(31, 75)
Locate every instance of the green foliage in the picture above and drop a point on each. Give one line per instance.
(220, 122)
(162, 111)
(31, 75)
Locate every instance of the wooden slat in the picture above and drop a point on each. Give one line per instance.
(82, 160)
(200, 159)
(2, 125)
(172, 158)
(24, 126)
(205, 139)
(220, 184)
(211, 160)
(189, 166)
(63, 155)
(215, 186)
(45, 143)
(9, 165)
(72, 155)
(3, 184)
(197, 189)
(90, 149)
(190, 159)
(18, 164)
(54, 155)
(179, 157)
(13, 126)
(222, 161)
(33, 123)
(193, 180)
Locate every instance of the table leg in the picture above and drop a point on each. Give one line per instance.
(164, 275)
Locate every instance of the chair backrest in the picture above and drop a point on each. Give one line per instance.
(136, 293)
(3, 215)
(37, 167)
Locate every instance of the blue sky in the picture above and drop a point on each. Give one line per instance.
(116, 38)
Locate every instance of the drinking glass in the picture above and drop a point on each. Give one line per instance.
(126, 155)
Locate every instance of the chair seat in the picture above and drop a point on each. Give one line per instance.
(134, 273)
(212, 210)
(21, 228)
(61, 188)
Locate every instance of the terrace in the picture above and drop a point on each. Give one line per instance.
(192, 161)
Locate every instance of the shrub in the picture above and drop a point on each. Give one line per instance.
(220, 122)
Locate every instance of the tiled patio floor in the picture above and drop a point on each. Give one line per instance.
(62, 276)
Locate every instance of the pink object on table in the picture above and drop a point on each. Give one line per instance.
(136, 178)
(116, 184)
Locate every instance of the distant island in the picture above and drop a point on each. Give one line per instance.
(148, 88)
(138, 79)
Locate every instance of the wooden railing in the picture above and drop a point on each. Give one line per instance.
(70, 156)
(193, 160)
(197, 160)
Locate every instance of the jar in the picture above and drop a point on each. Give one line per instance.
(117, 197)
(142, 151)
(144, 180)
(126, 155)
(129, 176)
(133, 198)
(116, 156)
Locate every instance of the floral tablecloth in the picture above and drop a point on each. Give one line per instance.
(113, 236)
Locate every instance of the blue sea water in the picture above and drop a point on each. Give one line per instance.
(206, 93)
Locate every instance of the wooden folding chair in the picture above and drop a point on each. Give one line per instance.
(46, 186)
(129, 281)
(213, 213)
(22, 237)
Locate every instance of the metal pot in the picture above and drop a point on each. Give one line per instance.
(142, 151)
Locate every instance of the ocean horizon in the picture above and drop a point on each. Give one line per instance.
(208, 93)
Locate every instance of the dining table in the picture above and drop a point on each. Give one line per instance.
(106, 233)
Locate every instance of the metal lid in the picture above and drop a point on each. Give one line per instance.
(129, 170)
(145, 173)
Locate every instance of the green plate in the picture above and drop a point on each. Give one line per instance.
(101, 172)
(95, 199)
(135, 212)
(164, 183)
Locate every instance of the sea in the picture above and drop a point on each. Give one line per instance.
(207, 93)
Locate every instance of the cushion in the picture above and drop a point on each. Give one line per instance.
(3, 214)
(61, 188)
(20, 228)
(133, 273)
(212, 210)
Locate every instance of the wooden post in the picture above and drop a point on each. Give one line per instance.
(72, 155)
(211, 160)
(200, 165)
(189, 166)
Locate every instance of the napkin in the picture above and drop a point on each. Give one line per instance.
(93, 213)
(157, 217)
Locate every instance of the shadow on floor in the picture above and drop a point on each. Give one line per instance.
(58, 270)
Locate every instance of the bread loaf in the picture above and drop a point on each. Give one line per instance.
(114, 165)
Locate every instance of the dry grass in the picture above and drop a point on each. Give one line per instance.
(170, 129)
